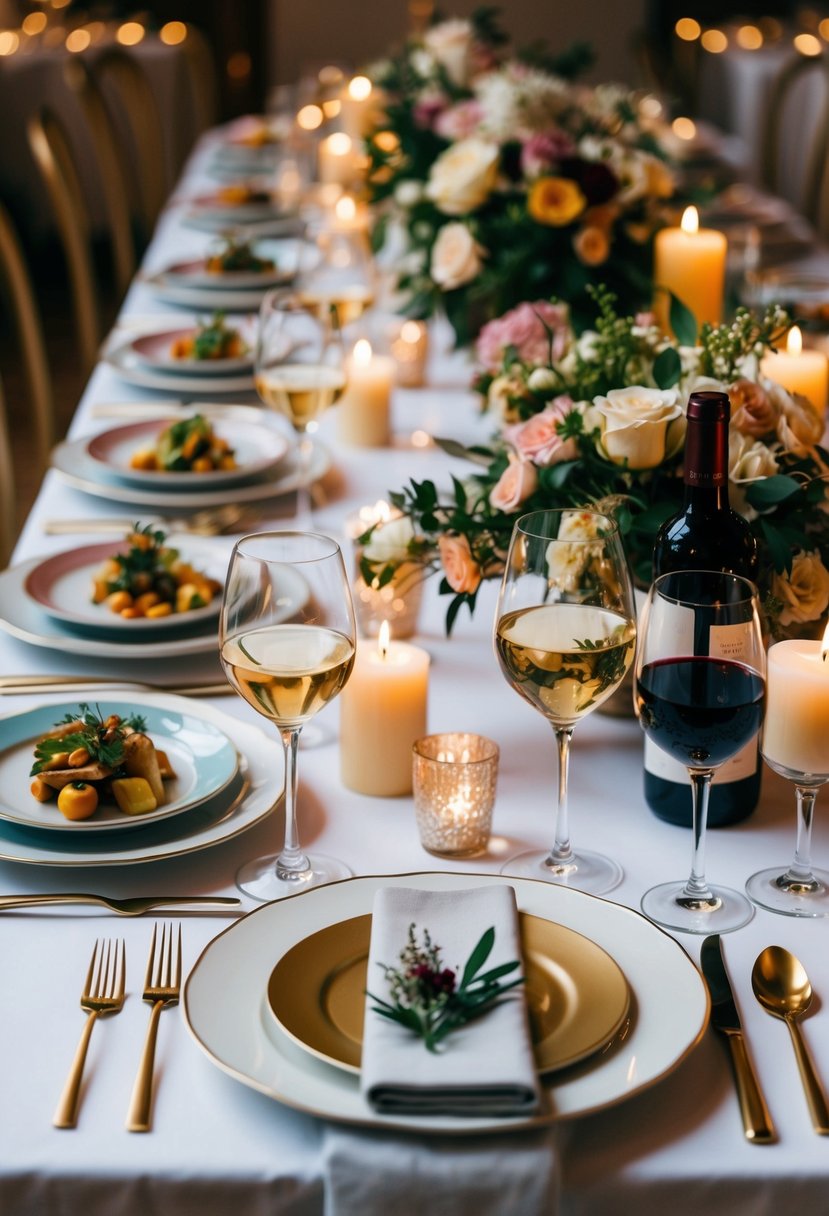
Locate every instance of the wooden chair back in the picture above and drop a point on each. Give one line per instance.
(803, 186)
(8, 502)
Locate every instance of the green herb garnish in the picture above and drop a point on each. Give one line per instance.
(103, 740)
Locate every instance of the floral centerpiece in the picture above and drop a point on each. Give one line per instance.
(509, 180)
(599, 418)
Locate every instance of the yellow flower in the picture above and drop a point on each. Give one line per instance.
(592, 245)
(555, 201)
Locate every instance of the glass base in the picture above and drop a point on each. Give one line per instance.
(669, 906)
(259, 878)
(586, 872)
(771, 889)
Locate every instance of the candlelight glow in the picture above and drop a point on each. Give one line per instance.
(34, 23)
(807, 44)
(78, 40)
(9, 42)
(794, 342)
(411, 331)
(387, 141)
(345, 208)
(173, 33)
(650, 106)
(823, 29)
(359, 89)
(309, 118)
(684, 128)
(332, 107)
(329, 76)
(339, 143)
(688, 29)
(130, 33)
(383, 639)
(714, 41)
(749, 37)
(690, 221)
(362, 353)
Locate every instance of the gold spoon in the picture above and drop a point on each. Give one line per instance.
(782, 987)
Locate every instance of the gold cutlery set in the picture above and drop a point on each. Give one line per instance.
(781, 986)
(104, 992)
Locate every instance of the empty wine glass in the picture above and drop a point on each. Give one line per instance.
(336, 274)
(299, 372)
(794, 744)
(700, 687)
(565, 630)
(286, 641)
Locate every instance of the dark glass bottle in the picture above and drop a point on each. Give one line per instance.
(705, 535)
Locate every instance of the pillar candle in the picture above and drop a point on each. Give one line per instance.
(357, 107)
(690, 262)
(363, 416)
(796, 728)
(799, 370)
(410, 350)
(382, 712)
(337, 159)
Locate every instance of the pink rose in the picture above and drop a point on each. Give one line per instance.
(428, 108)
(524, 328)
(515, 485)
(460, 121)
(462, 571)
(541, 152)
(538, 439)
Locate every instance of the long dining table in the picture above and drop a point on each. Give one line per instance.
(217, 1145)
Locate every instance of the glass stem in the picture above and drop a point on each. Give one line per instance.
(303, 514)
(799, 873)
(291, 863)
(561, 857)
(696, 888)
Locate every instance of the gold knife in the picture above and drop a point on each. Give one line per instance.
(18, 685)
(133, 906)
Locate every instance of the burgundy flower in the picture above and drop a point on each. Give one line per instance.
(598, 182)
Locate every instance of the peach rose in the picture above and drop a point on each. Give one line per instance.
(753, 412)
(805, 592)
(456, 257)
(515, 485)
(592, 245)
(538, 439)
(463, 574)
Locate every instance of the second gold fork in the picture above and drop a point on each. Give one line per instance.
(162, 984)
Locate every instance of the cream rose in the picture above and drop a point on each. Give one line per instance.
(753, 411)
(462, 177)
(501, 395)
(748, 460)
(799, 426)
(389, 542)
(515, 485)
(640, 427)
(450, 44)
(805, 592)
(456, 257)
(463, 574)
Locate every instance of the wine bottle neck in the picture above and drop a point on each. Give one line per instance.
(706, 465)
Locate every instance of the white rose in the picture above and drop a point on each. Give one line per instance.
(543, 380)
(640, 426)
(407, 193)
(390, 541)
(450, 43)
(805, 592)
(423, 62)
(748, 460)
(462, 177)
(456, 257)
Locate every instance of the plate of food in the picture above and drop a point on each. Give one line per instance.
(190, 452)
(108, 767)
(211, 348)
(234, 263)
(238, 202)
(146, 585)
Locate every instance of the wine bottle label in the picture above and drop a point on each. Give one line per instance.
(740, 766)
(731, 641)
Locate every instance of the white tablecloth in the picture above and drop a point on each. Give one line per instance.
(217, 1146)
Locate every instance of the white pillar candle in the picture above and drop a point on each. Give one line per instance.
(337, 160)
(364, 408)
(690, 262)
(796, 727)
(357, 107)
(410, 350)
(798, 370)
(350, 215)
(382, 712)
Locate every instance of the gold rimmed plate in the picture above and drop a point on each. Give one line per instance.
(577, 995)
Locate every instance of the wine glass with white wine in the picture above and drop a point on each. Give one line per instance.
(299, 372)
(565, 634)
(286, 643)
(336, 274)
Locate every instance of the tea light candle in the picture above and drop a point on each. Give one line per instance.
(796, 727)
(410, 350)
(454, 777)
(382, 712)
(798, 370)
(363, 414)
(690, 262)
(337, 159)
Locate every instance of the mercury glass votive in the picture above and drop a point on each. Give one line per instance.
(454, 778)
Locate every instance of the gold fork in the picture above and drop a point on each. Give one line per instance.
(103, 993)
(161, 987)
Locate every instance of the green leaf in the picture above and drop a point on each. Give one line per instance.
(478, 956)
(771, 491)
(780, 552)
(682, 321)
(495, 973)
(452, 448)
(667, 367)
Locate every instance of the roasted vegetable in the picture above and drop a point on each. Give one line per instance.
(146, 581)
(133, 795)
(78, 800)
(211, 340)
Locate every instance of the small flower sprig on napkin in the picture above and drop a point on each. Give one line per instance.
(425, 995)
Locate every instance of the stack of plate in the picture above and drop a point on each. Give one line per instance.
(192, 285)
(228, 777)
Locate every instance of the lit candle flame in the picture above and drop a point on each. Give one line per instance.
(690, 220)
(794, 342)
(345, 208)
(362, 353)
(339, 143)
(359, 89)
(824, 646)
(383, 639)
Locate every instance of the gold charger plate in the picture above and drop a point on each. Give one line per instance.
(577, 995)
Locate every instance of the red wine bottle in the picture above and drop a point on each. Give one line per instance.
(705, 535)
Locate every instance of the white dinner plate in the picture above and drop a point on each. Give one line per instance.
(226, 1007)
(170, 291)
(79, 470)
(194, 273)
(216, 206)
(201, 755)
(156, 351)
(277, 226)
(257, 449)
(135, 370)
(251, 796)
(61, 585)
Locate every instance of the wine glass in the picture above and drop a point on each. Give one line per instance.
(299, 371)
(565, 631)
(286, 642)
(794, 744)
(336, 274)
(700, 689)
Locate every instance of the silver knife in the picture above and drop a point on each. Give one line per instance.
(757, 1123)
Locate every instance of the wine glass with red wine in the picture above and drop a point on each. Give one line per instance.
(700, 692)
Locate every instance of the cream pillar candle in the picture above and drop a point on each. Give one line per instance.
(363, 416)
(382, 712)
(690, 262)
(796, 728)
(357, 107)
(798, 370)
(410, 350)
(350, 215)
(337, 160)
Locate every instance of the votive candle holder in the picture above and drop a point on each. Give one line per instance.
(454, 777)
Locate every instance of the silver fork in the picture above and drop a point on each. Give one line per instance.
(161, 987)
(103, 993)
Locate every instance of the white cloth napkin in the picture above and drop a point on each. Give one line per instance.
(485, 1067)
